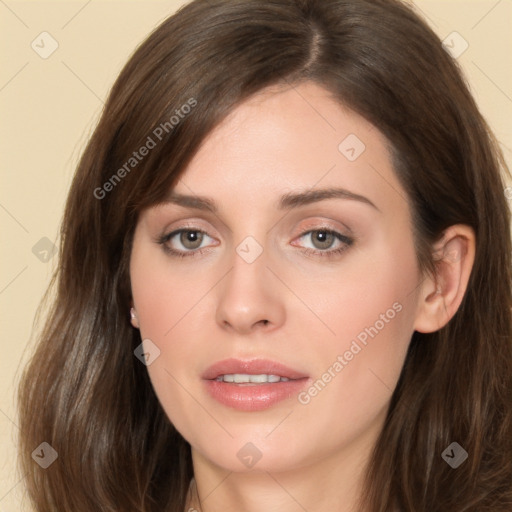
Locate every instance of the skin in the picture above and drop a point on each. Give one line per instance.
(201, 309)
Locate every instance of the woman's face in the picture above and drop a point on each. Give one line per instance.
(285, 249)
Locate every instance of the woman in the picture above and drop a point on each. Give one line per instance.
(284, 277)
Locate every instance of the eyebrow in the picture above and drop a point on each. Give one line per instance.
(286, 201)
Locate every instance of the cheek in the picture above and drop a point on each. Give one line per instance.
(371, 293)
(163, 296)
(171, 311)
(371, 309)
(163, 306)
(369, 306)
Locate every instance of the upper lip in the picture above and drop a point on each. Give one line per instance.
(250, 367)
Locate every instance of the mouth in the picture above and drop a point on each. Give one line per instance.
(253, 385)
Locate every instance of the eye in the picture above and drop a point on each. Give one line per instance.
(189, 242)
(184, 242)
(326, 242)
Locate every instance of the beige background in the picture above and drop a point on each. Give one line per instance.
(50, 106)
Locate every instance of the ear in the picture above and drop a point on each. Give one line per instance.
(133, 318)
(441, 294)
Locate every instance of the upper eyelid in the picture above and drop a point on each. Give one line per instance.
(194, 225)
(318, 216)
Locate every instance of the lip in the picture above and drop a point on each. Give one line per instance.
(252, 397)
(251, 367)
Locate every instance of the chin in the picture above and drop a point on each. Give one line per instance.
(248, 454)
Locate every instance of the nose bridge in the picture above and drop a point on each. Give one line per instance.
(250, 264)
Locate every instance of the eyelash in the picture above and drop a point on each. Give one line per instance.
(347, 241)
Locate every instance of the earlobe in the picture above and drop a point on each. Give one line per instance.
(441, 294)
(133, 318)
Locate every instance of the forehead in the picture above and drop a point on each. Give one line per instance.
(287, 139)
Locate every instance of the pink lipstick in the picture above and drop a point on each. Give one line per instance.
(253, 385)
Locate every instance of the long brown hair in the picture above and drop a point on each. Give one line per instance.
(86, 394)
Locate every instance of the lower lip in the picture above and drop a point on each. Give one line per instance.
(254, 397)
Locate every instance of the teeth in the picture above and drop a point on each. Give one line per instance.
(243, 378)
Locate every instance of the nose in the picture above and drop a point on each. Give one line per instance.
(250, 297)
